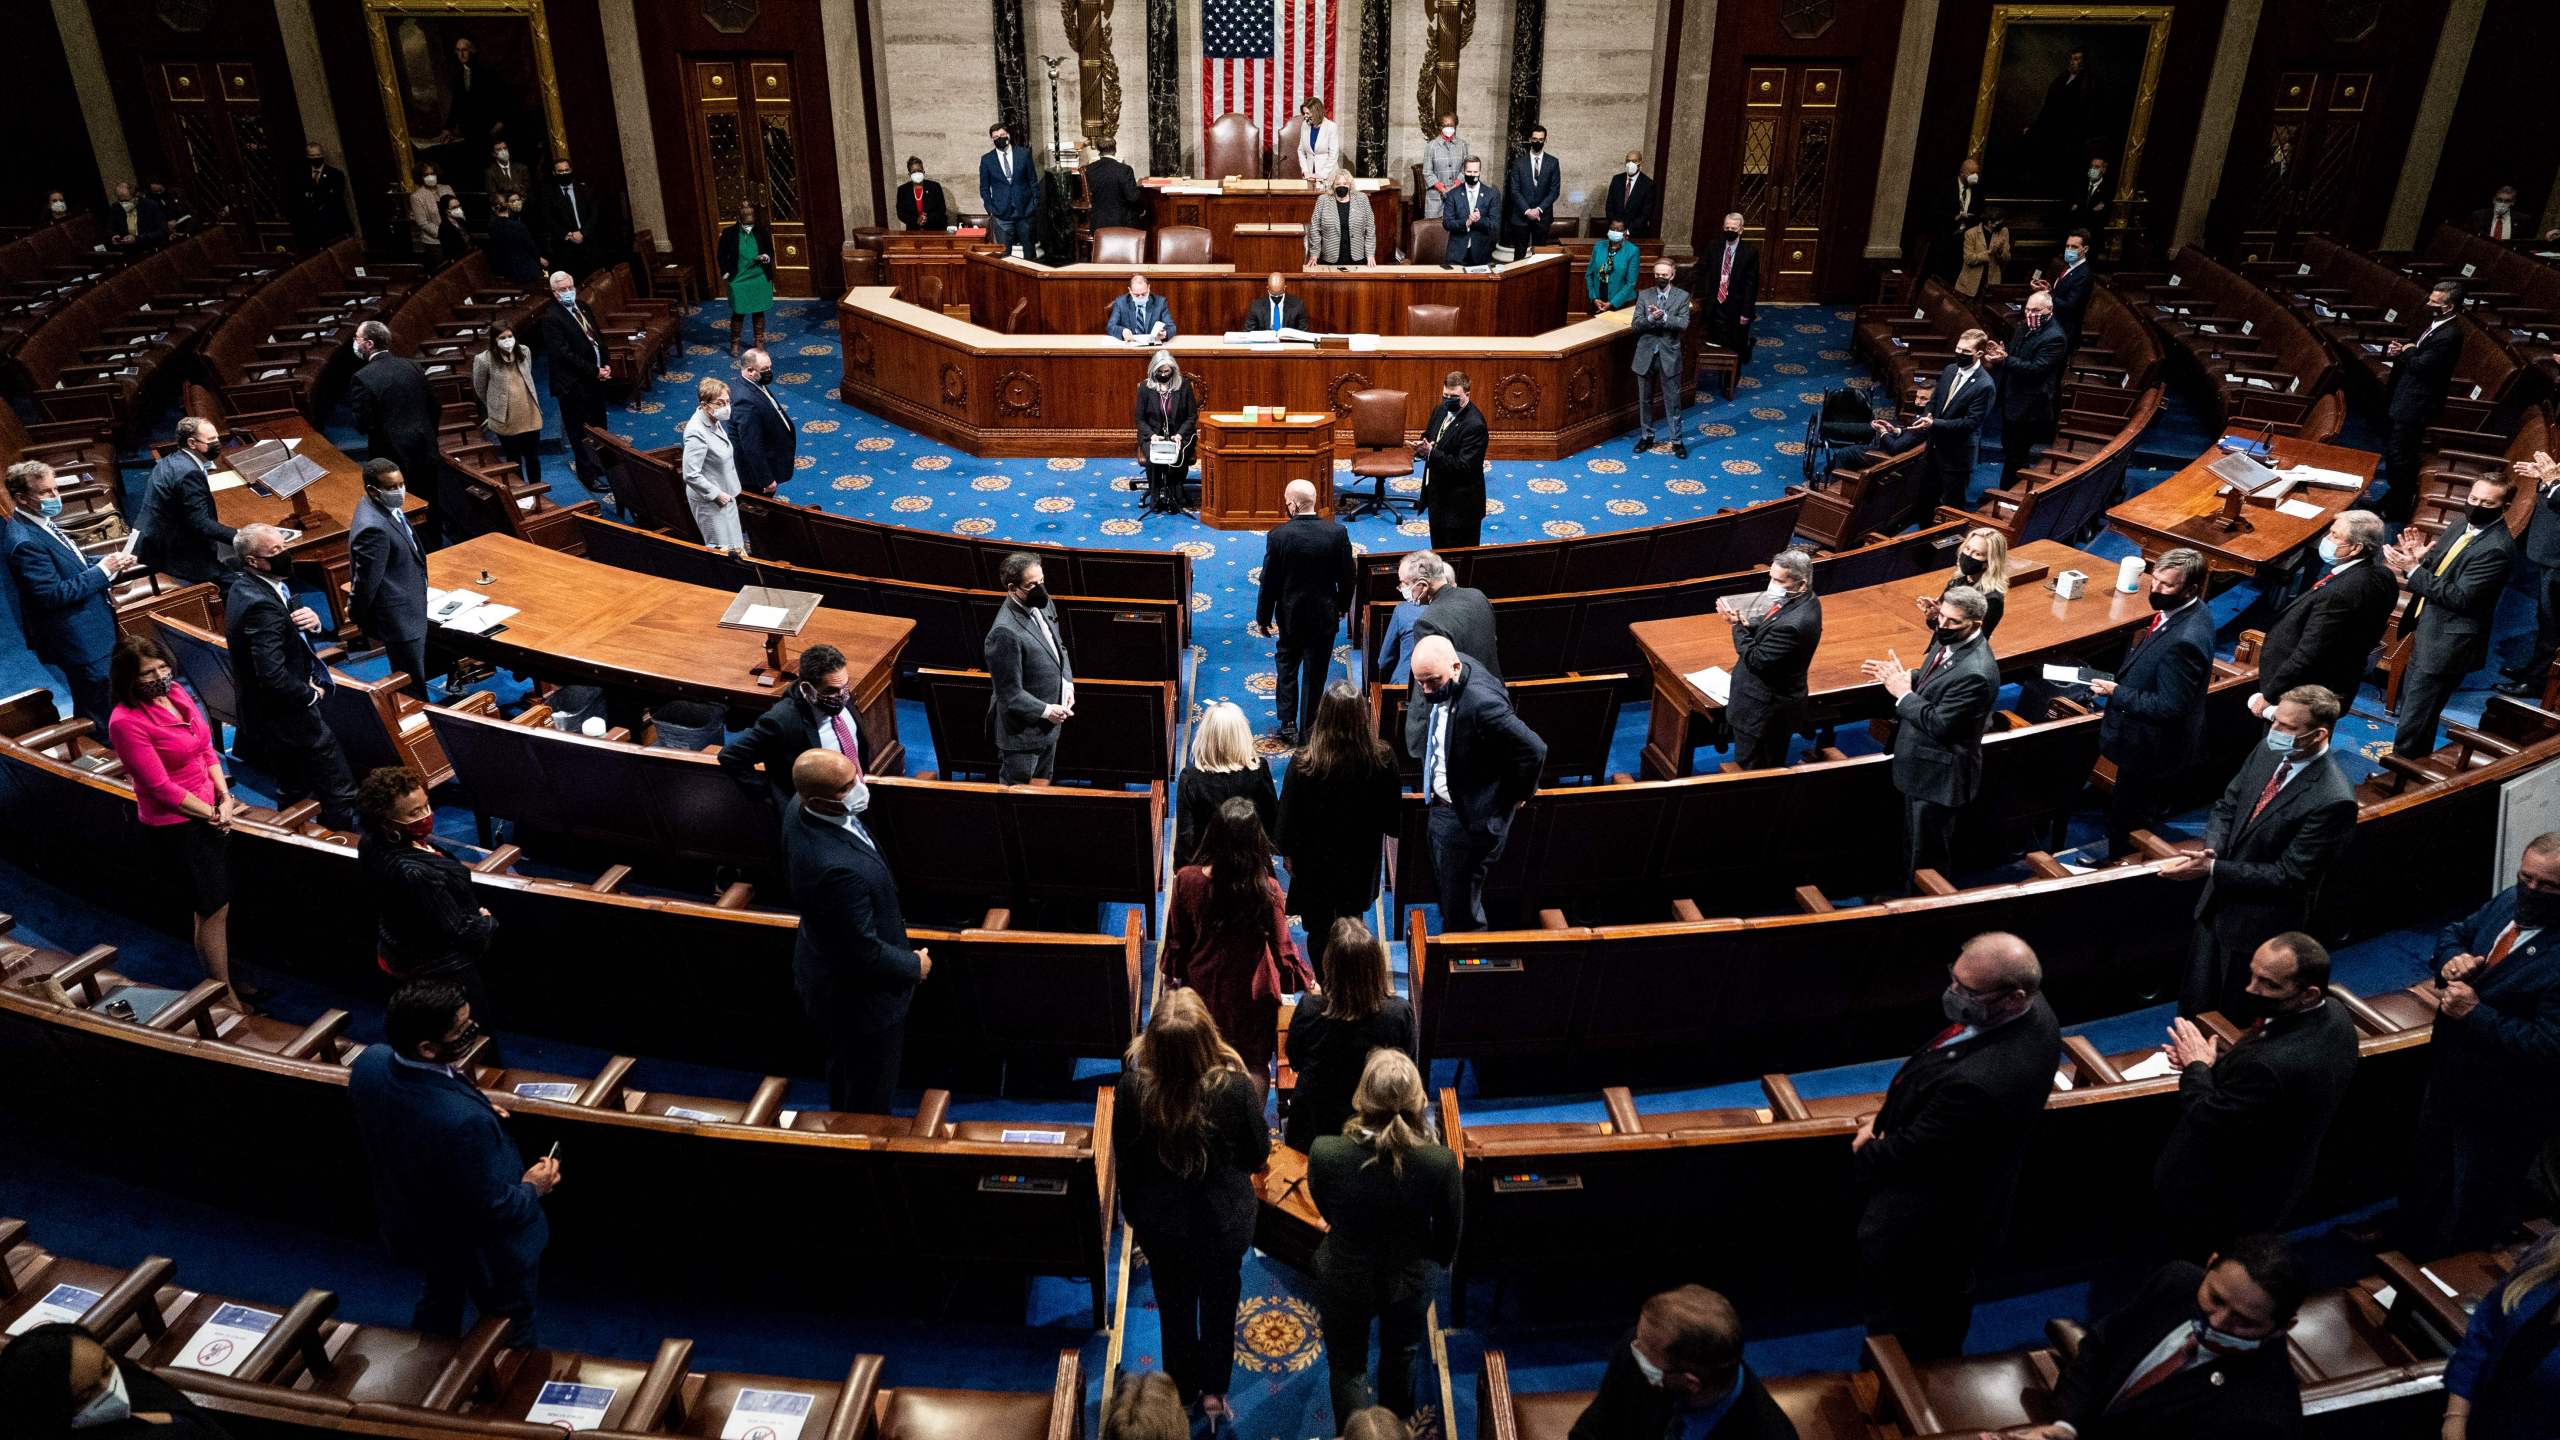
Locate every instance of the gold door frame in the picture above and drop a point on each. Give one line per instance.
(2137, 128)
(378, 15)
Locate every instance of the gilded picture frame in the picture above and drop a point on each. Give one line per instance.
(2077, 21)
(392, 81)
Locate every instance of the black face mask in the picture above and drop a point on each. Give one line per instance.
(1971, 566)
(2484, 514)
(1004, 142)
(1953, 635)
(1537, 145)
(825, 702)
(152, 689)
(1341, 192)
(1733, 234)
(2248, 1008)
(446, 1052)
(1453, 403)
(2539, 909)
(1036, 597)
(2170, 600)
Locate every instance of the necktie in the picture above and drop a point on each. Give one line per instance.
(402, 520)
(1724, 282)
(2498, 952)
(845, 744)
(2275, 782)
(1275, 314)
(1946, 1035)
(570, 194)
(1937, 659)
(2498, 228)
(2156, 622)
(2442, 566)
(854, 824)
(2323, 580)
(2178, 1360)
(1004, 158)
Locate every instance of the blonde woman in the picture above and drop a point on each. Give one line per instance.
(711, 469)
(1343, 230)
(1319, 141)
(1187, 1135)
(1390, 1200)
(1224, 766)
(1145, 1406)
(2504, 1381)
(1983, 563)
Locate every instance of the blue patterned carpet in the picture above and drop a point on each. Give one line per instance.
(1741, 451)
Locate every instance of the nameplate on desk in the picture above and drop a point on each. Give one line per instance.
(678, 1112)
(1530, 1184)
(1021, 1185)
(768, 1415)
(1483, 964)
(2154, 1066)
(1034, 1137)
(571, 1406)
(546, 1090)
(221, 1343)
(61, 1305)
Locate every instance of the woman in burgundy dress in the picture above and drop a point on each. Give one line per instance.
(1228, 936)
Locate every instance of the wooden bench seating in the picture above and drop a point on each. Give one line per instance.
(1909, 344)
(1870, 496)
(2360, 305)
(47, 268)
(2066, 492)
(377, 722)
(778, 529)
(1577, 715)
(639, 333)
(1125, 730)
(288, 340)
(2235, 337)
(1109, 638)
(102, 356)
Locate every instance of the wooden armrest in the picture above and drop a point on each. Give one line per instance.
(2411, 1286)
(606, 1088)
(132, 1299)
(765, 1106)
(328, 1033)
(2367, 1019)
(2477, 741)
(2091, 1064)
(931, 1107)
(1622, 1110)
(611, 880)
(1900, 1385)
(737, 896)
(996, 919)
(658, 1387)
(193, 1008)
(469, 1368)
(2219, 1026)
(1811, 900)
(84, 971)
(1930, 882)
(295, 1335)
(1684, 908)
(1552, 919)
(2044, 866)
(2152, 847)
(1784, 1102)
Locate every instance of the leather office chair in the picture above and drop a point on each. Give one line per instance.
(1378, 449)
(1431, 319)
(1182, 245)
(1119, 245)
(1234, 147)
(1426, 242)
(1284, 152)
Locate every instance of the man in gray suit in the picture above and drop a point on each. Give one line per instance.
(1659, 317)
(1035, 687)
(1940, 711)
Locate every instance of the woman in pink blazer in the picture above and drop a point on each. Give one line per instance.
(184, 799)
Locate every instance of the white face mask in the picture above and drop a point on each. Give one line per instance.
(2503, 206)
(720, 412)
(1448, 132)
(1652, 1373)
(507, 343)
(431, 181)
(502, 157)
(915, 177)
(2095, 172)
(109, 1406)
(1775, 595)
(857, 799)
(58, 207)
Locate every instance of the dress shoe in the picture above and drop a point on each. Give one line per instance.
(1679, 450)
(1643, 443)
(2514, 687)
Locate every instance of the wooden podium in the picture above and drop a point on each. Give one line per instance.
(1245, 464)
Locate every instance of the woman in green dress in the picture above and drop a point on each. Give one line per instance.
(746, 262)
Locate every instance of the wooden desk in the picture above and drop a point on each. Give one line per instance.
(974, 388)
(322, 550)
(1263, 246)
(1246, 464)
(1278, 202)
(1526, 297)
(2183, 509)
(925, 266)
(577, 620)
(1861, 625)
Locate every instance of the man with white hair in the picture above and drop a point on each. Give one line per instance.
(1937, 1164)
(280, 681)
(1727, 287)
(1775, 633)
(1940, 711)
(572, 343)
(62, 592)
(1307, 584)
(2030, 384)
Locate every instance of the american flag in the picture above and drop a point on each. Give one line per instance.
(1262, 58)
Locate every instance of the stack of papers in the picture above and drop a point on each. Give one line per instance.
(2152, 1068)
(2334, 479)
(2300, 510)
(468, 611)
(1716, 680)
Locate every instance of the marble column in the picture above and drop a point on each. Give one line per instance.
(310, 77)
(858, 161)
(2214, 127)
(1528, 71)
(1377, 22)
(2434, 119)
(1013, 78)
(1902, 128)
(1164, 88)
(97, 97)
(630, 118)
(1677, 171)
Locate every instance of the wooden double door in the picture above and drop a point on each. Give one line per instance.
(220, 143)
(743, 120)
(1787, 179)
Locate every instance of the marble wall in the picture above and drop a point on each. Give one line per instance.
(937, 74)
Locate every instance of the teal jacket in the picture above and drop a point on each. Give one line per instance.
(1612, 279)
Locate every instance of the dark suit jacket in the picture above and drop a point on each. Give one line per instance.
(2326, 637)
(787, 729)
(2462, 603)
(1630, 202)
(557, 219)
(150, 222)
(1953, 1132)
(1017, 200)
(1955, 429)
(1306, 579)
(446, 1179)
(2250, 1124)
(934, 215)
(1489, 214)
(573, 354)
(272, 667)
(2031, 378)
(2509, 1046)
(1293, 315)
(1174, 412)
(2071, 291)
(398, 412)
(1937, 744)
(1139, 317)
(1525, 194)
(513, 252)
(762, 442)
(390, 599)
(1771, 659)
(2520, 226)
(2155, 720)
(850, 962)
(1742, 300)
(1117, 201)
(1386, 1230)
(1464, 617)
(725, 254)
(2542, 536)
(2252, 1395)
(62, 596)
(1028, 677)
(2091, 202)
(2266, 872)
(2420, 374)
(1628, 1407)
(1207, 1216)
(1493, 758)
(179, 529)
(1454, 474)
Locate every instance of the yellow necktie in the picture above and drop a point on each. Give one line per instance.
(2442, 566)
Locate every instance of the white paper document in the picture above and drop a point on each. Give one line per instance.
(2300, 510)
(766, 617)
(443, 605)
(571, 1406)
(221, 1343)
(2334, 479)
(2062, 674)
(546, 1090)
(221, 480)
(1716, 680)
(481, 619)
(679, 1112)
(768, 1415)
(61, 1305)
(1034, 1137)
(2151, 1069)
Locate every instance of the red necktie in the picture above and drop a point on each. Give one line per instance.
(2498, 228)
(1947, 1034)
(1724, 282)
(2323, 580)
(2156, 622)
(2178, 1360)
(845, 743)
(2498, 952)
(2275, 783)
(919, 204)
